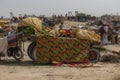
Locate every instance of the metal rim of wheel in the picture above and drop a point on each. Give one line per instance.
(94, 55)
(30, 48)
(18, 55)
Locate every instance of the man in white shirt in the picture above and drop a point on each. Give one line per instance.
(105, 35)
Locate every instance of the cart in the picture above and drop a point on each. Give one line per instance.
(46, 48)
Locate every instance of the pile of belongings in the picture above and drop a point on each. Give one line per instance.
(36, 24)
(31, 23)
(86, 34)
(3, 22)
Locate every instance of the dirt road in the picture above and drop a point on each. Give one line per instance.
(28, 71)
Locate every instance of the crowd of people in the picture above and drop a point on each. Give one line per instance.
(109, 34)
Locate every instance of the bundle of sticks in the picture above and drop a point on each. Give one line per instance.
(104, 49)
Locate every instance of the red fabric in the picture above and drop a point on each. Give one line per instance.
(67, 31)
(102, 30)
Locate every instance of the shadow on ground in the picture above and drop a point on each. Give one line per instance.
(22, 63)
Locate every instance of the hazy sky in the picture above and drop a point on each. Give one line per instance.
(48, 7)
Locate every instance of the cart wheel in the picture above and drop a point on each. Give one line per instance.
(18, 54)
(34, 54)
(29, 50)
(94, 56)
(10, 52)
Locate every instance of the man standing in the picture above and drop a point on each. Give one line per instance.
(105, 34)
(105, 29)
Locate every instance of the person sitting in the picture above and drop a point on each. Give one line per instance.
(11, 33)
(61, 26)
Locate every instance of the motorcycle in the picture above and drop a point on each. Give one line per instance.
(14, 49)
(15, 52)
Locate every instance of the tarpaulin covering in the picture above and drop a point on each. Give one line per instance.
(62, 49)
(3, 22)
(33, 22)
(86, 34)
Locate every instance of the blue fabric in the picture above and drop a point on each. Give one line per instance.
(11, 34)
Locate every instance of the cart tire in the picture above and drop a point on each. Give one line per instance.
(94, 56)
(34, 54)
(29, 50)
(18, 54)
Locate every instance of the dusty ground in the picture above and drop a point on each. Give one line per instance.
(27, 70)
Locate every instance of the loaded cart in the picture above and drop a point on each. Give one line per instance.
(46, 48)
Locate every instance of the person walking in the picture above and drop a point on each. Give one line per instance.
(105, 29)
